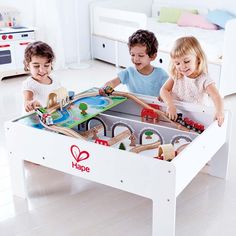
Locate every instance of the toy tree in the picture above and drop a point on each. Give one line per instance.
(83, 107)
(149, 134)
(122, 146)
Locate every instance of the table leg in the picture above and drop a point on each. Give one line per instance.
(218, 166)
(17, 172)
(163, 219)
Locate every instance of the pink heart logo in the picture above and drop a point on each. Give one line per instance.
(77, 154)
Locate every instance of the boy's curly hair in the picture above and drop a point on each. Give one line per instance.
(145, 38)
(40, 49)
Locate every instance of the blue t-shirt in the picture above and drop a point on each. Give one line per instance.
(143, 84)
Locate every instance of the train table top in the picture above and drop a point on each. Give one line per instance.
(71, 115)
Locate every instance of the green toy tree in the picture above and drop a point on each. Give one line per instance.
(83, 107)
(148, 134)
(122, 146)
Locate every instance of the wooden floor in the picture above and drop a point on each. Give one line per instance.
(63, 205)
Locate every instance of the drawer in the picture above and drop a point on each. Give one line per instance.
(162, 60)
(104, 49)
(123, 56)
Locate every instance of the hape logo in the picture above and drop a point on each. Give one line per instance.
(79, 156)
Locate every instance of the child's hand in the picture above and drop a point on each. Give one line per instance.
(31, 105)
(171, 112)
(219, 116)
(106, 91)
(160, 99)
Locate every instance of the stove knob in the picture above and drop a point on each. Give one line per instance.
(4, 37)
(10, 36)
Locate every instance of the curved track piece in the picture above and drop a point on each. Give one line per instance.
(145, 147)
(89, 133)
(63, 130)
(119, 137)
(145, 105)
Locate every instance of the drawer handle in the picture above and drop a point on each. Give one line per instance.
(5, 46)
(25, 43)
(160, 60)
(103, 45)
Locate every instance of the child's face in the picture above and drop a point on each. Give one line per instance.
(140, 58)
(40, 68)
(186, 65)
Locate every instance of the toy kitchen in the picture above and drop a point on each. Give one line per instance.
(14, 38)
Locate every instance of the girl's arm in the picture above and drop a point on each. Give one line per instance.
(29, 102)
(218, 102)
(165, 94)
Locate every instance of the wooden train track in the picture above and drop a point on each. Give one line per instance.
(63, 130)
(119, 137)
(89, 133)
(145, 105)
(72, 133)
(145, 147)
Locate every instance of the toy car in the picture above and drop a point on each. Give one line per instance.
(44, 116)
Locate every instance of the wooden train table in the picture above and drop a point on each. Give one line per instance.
(114, 122)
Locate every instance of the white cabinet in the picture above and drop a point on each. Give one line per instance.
(123, 55)
(162, 60)
(7, 61)
(20, 47)
(13, 42)
(104, 49)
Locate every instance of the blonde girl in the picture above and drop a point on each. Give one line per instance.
(189, 80)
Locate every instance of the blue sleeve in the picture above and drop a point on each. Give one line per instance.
(123, 76)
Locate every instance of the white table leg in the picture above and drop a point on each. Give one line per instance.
(163, 217)
(16, 166)
(218, 166)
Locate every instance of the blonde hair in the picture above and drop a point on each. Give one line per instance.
(185, 46)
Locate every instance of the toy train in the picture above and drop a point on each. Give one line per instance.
(190, 124)
(44, 116)
(107, 90)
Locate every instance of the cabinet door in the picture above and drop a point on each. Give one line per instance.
(162, 60)
(123, 55)
(7, 57)
(20, 50)
(104, 49)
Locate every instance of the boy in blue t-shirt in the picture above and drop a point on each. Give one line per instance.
(143, 78)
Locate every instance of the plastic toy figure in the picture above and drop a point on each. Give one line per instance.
(132, 139)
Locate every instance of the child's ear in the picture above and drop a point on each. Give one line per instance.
(26, 66)
(153, 57)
